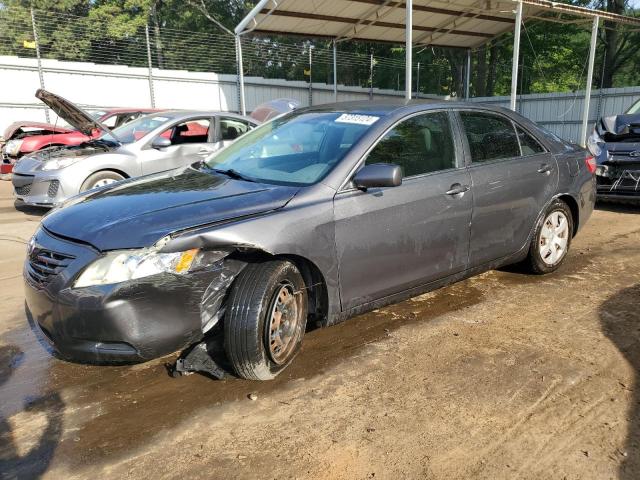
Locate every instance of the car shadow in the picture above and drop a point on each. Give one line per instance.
(620, 322)
(619, 207)
(30, 210)
(33, 463)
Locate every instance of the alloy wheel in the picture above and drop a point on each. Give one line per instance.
(554, 238)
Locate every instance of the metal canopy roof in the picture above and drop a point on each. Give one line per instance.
(453, 23)
(448, 23)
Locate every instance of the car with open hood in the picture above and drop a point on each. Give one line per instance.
(23, 138)
(308, 219)
(17, 132)
(615, 143)
(152, 143)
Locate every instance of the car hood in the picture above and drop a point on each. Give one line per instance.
(72, 114)
(137, 213)
(33, 161)
(15, 126)
(617, 127)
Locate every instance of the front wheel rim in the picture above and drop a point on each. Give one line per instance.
(104, 182)
(554, 238)
(283, 324)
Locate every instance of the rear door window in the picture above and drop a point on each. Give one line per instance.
(490, 137)
(232, 128)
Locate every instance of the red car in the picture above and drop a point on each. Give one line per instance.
(22, 138)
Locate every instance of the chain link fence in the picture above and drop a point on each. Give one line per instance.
(31, 33)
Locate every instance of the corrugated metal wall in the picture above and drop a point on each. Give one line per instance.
(562, 112)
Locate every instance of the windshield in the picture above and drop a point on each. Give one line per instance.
(95, 114)
(299, 149)
(635, 108)
(135, 130)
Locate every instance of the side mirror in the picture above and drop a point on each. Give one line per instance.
(160, 143)
(378, 175)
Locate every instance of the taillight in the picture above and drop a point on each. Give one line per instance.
(591, 164)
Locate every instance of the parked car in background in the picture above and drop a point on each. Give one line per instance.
(315, 216)
(152, 143)
(615, 143)
(21, 130)
(272, 109)
(25, 139)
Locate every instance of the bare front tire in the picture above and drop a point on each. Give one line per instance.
(552, 239)
(100, 179)
(265, 319)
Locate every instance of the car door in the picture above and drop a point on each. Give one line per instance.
(513, 178)
(191, 141)
(391, 239)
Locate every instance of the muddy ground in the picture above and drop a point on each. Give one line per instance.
(500, 376)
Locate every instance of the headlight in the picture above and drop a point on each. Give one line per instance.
(595, 143)
(58, 163)
(13, 147)
(122, 265)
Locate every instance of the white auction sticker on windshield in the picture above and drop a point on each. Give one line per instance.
(161, 119)
(357, 119)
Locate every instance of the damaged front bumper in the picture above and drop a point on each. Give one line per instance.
(618, 182)
(131, 321)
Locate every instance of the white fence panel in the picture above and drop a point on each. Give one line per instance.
(102, 86)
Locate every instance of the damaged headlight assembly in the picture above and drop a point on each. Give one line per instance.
(595, 143)
(122, 265)
(12, 147)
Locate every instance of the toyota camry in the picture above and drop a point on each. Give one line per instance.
(316, 216)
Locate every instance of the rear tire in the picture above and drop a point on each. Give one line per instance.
(265, 319)
(100, 179)
(551, 240)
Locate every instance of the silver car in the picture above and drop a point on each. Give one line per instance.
(153, 143)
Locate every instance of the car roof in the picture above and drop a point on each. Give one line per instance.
(177, 114)
(126, 110)
(391, 106)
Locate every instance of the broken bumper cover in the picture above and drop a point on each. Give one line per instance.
(618, 183)
(127, 322)
(121, 323)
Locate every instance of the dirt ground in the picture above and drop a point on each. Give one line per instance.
(500, 376)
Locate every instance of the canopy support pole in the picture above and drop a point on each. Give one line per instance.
(467, 77)
(408, 84)
(516, 57)
(335, 71)
(587, 94)
(241, 99)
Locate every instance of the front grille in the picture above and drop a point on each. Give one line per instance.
(52, 191)
(625, 153)
(44, 265)
(24, 190)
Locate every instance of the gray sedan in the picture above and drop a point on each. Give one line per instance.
(153, 143)
(315, 216)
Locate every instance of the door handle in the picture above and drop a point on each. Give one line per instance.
(457, 189)
(545, 168)
(203, 151)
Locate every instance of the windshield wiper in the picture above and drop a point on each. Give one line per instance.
(231, 173)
